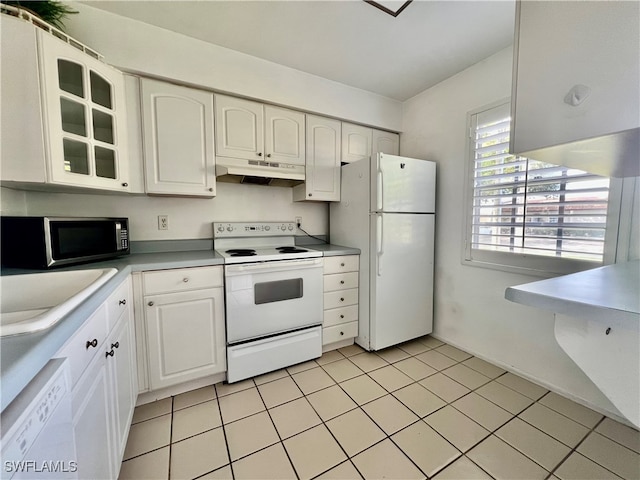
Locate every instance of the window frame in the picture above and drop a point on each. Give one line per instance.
(523, 263)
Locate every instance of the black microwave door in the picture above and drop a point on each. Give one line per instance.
(75, 239)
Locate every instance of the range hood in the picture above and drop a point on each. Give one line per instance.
(258, 172)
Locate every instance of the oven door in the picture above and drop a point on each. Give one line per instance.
(268, 298)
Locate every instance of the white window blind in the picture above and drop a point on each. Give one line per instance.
(529, 207)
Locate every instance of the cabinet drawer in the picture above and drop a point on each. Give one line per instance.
(181, 279)
(341, 298)
(86, 343)
(336, 316)
(347, 263)
(340, 281)
(339, 332)
(118, 302)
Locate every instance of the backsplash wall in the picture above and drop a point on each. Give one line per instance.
(189, 218)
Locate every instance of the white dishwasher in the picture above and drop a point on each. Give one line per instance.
(37, 429)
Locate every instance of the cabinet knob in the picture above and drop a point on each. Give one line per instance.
(342, 264)
(268, 155)
(110, 354)
(211, 189)
(150, 304)
(342, 299)
(341, 316)
(93, 343)
(341, 333)
(185, 279)
(259, 154)
(115, 345)
(311, 194)
(122, 302)
(125, 184)
(341, 282)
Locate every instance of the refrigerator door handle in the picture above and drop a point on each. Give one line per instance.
(380, 186)
(379, 242)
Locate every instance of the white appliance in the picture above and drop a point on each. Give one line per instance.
(273, 297)
(37, 429)
(387, 210)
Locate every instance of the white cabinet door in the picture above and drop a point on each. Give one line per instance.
(92, 423)
(560, 45)
(84, 110)
(385, 142)
(284, 135)
(186, 336)
(120, 359)
(239, 128)
(178, 139)
(322, 171)
(356, 143)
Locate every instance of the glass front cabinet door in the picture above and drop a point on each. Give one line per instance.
(84, 116)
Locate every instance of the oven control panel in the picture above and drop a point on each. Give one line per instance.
(253, 229)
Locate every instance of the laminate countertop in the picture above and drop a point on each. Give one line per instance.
(611, 290)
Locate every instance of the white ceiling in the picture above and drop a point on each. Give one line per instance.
(348, 41)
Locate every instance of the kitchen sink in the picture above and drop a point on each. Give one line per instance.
(36, 301)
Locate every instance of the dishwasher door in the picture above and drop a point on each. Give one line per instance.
(37, 429)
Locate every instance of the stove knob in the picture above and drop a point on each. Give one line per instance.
(229, 228)
(283, 227)
(267, 228)
(220, 228)
(290, 227)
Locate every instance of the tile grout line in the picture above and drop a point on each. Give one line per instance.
(170, 440)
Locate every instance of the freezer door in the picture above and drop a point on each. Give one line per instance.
(401, 278)
(402, 184)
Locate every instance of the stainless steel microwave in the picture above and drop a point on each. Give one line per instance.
(45, 242)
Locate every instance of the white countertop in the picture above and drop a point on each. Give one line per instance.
(611, 289)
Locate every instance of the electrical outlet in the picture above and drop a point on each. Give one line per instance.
(163, 222)
(298, 221)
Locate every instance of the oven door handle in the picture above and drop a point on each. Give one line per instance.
(274, 266)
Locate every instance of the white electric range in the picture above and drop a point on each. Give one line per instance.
(273, 297)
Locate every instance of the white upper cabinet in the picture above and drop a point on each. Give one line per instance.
(284, 135)
(178, 136)
(385, 142)
(253, 131)
(356, 142)
(63, 113)
(322, 171)
(576, 78)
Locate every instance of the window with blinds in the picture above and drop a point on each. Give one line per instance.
(529, 207)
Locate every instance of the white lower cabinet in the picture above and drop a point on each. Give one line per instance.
(184, 324)
(103, 366)
(340, 323)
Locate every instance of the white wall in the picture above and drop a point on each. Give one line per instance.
(189, 218)
(470, 309)
(13, 202)
(139, 47)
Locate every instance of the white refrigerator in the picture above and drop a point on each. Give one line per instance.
(387, 210)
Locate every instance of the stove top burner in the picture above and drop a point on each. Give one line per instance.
(241, 252)
(291, 249)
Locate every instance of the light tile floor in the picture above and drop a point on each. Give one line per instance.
(421, 410)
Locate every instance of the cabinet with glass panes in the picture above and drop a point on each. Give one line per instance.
(74, 134)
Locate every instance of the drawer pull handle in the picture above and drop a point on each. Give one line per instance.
(342, 264)
(341, 333)
(122, 302)
(341, 282)
(342, 299)
(185, 279)
(150, 304)
(115, 345)
(341, 316)
(93, 343)
(110, 354)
